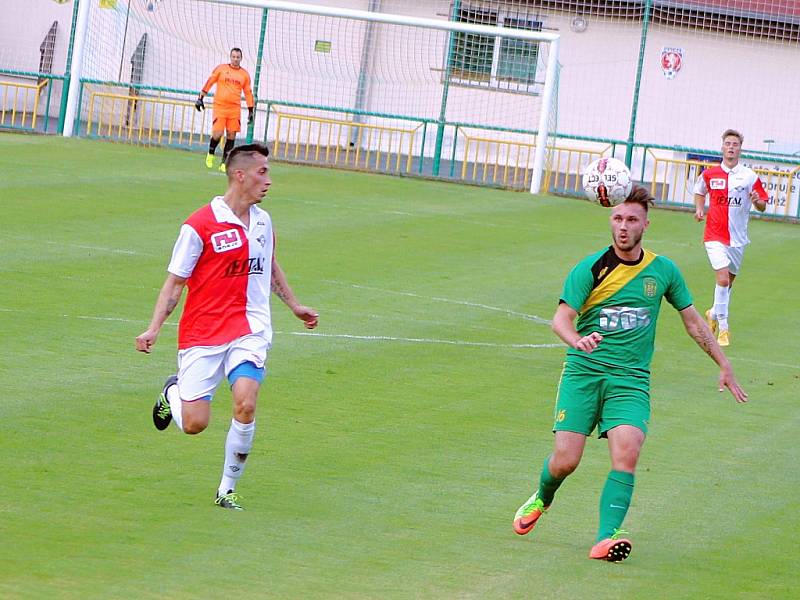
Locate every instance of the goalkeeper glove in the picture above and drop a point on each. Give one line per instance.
(251, 114)
(199, 104)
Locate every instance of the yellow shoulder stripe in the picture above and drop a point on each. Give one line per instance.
(616, 280)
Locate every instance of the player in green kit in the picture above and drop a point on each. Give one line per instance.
(615, 295)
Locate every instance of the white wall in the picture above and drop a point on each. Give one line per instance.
(724, 81)
(23, 27)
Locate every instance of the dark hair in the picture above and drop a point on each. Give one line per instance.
(734, 133)
(241, 152)
(239, 50)
(639, 195)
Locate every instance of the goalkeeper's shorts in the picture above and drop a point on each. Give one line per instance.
(231, 124)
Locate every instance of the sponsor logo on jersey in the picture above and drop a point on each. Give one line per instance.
(717, 183)
(251, 266)
(616, 318)
(650, 287)
(729, 201)
(226, 240)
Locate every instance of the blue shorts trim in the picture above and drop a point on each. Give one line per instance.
(246, 369)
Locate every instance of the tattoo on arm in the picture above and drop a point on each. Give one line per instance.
(704, 339)
(171, 304)
(279, 290)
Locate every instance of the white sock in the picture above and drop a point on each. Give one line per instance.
(722, 295)
(237, 447)
(175, 405)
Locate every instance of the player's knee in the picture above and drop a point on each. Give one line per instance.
(562, 465)
(193, 425)
(625, 459)
(245, 410)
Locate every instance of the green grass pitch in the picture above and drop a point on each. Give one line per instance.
(394, 443)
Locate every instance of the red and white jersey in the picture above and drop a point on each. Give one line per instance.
(229, 273)
(729, 202)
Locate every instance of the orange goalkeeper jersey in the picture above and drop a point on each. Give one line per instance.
(231, 82)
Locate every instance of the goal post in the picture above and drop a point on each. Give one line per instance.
(373, 65)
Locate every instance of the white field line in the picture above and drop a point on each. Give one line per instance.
(514, 313)
(382, 338)
(80, 246)
(387, 338)
(346, 336)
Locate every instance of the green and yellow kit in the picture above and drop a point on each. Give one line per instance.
(620, 300)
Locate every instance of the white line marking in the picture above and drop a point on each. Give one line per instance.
(507, 311)
(387, 338)
(348, 336)
(81, 246)
(115, 319)
(379, 338)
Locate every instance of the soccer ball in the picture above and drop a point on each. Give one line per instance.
(607, 181)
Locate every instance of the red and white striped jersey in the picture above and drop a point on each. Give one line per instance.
(729, 202)
(228, 268)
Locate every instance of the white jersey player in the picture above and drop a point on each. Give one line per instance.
(733, 190)
(225, 257)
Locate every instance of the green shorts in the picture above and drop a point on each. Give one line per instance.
(601, 396)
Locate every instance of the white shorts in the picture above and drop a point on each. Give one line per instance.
(201, 368)
(721, 256)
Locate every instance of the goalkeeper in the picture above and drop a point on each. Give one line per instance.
(231, 80)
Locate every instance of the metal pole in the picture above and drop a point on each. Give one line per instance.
(363, 72)
(79, 42)
(551, 78)
(448, 69)
(257, 75)
(635, 106)
(364, 15)
(124, 40)
(65, 82)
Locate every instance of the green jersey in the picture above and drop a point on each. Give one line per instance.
(620, 300)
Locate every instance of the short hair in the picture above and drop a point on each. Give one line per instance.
(734, 133)
(241, 153)
(239, 50)
(639, 195)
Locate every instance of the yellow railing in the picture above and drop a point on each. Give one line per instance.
(491, 160)
(344, 143)
(510, 163)
(673, 183)
(15, 101)
(564, 167)
(144, 119)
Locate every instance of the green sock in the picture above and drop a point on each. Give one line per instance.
(547, 484)
(614, 502)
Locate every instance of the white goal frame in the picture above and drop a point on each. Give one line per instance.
(361, 15)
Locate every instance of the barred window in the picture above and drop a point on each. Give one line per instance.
(493, 61)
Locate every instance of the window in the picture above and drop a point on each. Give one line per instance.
(493, 61)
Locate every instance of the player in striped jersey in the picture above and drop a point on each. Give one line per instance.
(733, 190)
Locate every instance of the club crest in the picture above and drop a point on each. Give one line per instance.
(671, 61)
(650, 287)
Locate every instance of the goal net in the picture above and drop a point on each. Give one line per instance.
(410, 90)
